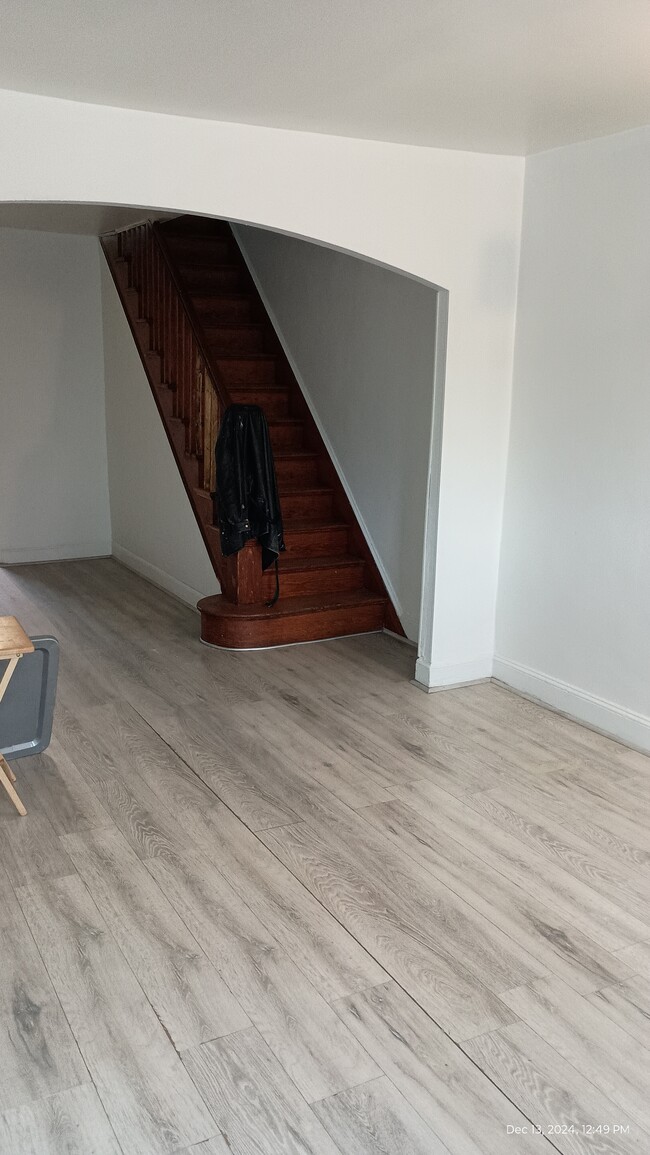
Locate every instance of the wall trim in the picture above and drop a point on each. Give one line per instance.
(599, 713)
(158, 577)
(323, 432)
(431, 677)
(432, 508)
(74, 552)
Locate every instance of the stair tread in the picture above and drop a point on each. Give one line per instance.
(222, 295)
(302, 524)
(304, 604)
(200, 238)
(245, 356)
(188, 264)
(290, 563)
(269, 387)
(290, 490)
(294, 525)
(295, 454)
(236, 325)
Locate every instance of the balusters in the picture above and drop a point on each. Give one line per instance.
(194, 447)
(180, 370)
(199, 374)
(160, 310)
(210, 429)
(153, 311)
(137, 241)
(183, 365)
(176, 344)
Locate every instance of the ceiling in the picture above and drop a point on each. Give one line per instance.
(511, 76)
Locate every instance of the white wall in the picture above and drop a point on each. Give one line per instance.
(361, 339)
(154, 529)
(452, 218)
(574, 604)
(53, 481)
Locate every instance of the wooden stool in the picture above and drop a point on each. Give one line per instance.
(13, 644)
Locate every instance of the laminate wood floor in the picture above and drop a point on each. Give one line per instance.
(285, 903)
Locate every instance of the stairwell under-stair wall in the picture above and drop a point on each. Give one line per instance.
(361, 340)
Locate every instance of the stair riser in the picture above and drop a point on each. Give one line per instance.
(307, 627)
(297, 472)
(273, 404)
(198, 227)
(199, 252)
(318, 542)
(286, 437)
(307, 506)
(320, 581)
(213, 310)
(225, 340)
(215, 278)
(248, 373)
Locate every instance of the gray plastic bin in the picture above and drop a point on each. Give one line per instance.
(27, 709)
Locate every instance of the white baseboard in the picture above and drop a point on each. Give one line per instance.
(74, 552)
(432, 677)
(159, 577)
(599, 713)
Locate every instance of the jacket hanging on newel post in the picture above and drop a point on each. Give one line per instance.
(246, 502)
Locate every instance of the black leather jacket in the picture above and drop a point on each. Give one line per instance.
(246, 502)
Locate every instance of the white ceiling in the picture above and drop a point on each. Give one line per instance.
(512, 76)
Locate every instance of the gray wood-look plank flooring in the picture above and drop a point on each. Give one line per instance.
(285, 903)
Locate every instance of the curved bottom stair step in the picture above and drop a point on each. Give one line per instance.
(293, 619)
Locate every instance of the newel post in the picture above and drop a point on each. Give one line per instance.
(249, 575)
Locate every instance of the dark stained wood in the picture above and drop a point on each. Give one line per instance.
(195, 313)
(303, 619)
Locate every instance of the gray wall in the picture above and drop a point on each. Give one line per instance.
(53, 482)
(361, 339)
(573, 625)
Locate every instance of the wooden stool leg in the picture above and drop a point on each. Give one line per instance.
(5, 781)
(9, 772)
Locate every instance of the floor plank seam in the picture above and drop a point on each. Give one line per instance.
(343, 887)
(91, 1079)
(254, 833)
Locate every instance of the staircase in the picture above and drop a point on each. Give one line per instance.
(206, 341)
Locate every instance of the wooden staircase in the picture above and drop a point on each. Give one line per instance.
(206, 342)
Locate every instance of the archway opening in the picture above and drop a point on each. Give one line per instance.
(367, 342)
